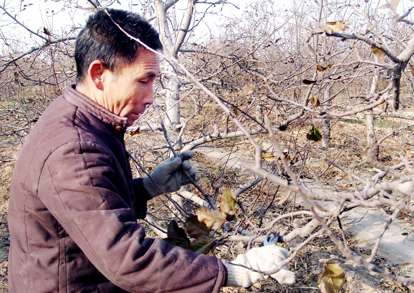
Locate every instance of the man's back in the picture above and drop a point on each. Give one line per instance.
(42, 254)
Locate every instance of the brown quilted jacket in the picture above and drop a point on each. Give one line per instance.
(73, 210)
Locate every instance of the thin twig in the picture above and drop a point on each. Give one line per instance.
(190, 178)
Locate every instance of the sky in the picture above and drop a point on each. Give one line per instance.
(59, 17)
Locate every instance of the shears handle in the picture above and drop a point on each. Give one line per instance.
(273, 240)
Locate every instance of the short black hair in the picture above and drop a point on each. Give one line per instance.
(101, 39)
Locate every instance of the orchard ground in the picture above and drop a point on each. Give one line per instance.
(361, 226)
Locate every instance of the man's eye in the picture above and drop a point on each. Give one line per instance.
(143, 81)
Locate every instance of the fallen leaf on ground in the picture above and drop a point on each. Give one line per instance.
(268, 157)
(332, 278)
(228, 202)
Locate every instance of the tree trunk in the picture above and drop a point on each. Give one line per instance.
(173, 104)
(372, 143)
(326, 123)
(171, 50)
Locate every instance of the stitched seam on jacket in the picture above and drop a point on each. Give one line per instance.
(80, 231)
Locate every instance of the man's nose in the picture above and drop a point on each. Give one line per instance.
(148, 96)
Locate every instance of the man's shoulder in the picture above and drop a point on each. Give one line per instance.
(57, 121)
(58, 126)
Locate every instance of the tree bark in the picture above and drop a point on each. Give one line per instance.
(326, 123)
(372, 143)
(171, 49)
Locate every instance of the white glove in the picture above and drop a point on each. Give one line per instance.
(263, 259)
(169, 175)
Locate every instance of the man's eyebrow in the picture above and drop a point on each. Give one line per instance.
(150, 74)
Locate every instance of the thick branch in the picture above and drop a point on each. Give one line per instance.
(184, 27)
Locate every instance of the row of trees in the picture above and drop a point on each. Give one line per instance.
(267, 77)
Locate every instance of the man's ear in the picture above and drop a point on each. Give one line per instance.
(96, 73)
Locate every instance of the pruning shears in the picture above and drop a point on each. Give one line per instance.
(273, 240)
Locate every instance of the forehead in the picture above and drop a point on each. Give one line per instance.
(147, 62)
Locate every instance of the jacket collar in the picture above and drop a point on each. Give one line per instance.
(76, 98)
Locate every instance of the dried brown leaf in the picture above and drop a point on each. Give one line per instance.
(378, 52)
(320, 68)
(315, 101)
(331, 279)
(268, 157)
(323, 68)
(336, 26)
(228, 202)
(195, 228)
(213, 219)
(308, 81)
(247, 89)
(134, 132)
(201, 245)
(412, 70)
(235, 111)
(173, 231)
(180, 242)
(46, 31)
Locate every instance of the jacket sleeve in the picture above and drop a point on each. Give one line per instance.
(141, 198)
(76, 185)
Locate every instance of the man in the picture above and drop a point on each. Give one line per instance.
(73, 202)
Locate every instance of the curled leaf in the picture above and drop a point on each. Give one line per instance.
(308, 81)
(331, 279)
(176, 236)
(201, 245)
(195, 228)
(314, 134)
(268, 157)
(412, 70)
(135, 131)
(174, 231)
(323, 68)
(320, 68)
(213, 219)
(378, 52)
(315, 101)
(180, 242)
(228, 202)
(336, 26)
(46, 31)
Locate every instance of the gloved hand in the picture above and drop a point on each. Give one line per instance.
(262, 259)
(169, 175)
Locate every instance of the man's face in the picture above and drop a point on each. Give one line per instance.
(130, 89)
